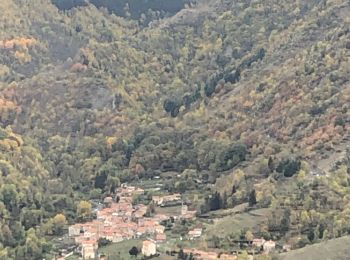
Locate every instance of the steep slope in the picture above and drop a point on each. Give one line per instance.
(25, 200)
(104, 100)
(335, 249)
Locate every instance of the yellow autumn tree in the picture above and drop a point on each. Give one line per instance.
(59, 222)
(84, 209)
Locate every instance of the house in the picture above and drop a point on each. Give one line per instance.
(157, 200)
(195, 233)
(74, 230)
(108, 201)
(117, 237)
(184, 209)
(108, 234)
(167, 200)
(129, 191)
(269, 246)
(140, 231)
(140, 211)
(187, 214)
(88, 252)
(286, 248)
(89, 249)
(90, 233)
(160, 217)
(258, 242)
(159, 229)
(149, 248)
(160, 237)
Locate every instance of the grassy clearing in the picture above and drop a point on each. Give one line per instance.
(120, 251)
(73, 257)
(337, 249)
(234, 223)
(227, 212)
(172, 211)
(165, 257)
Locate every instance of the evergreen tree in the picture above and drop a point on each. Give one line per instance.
(224, 200)
(215, 201)
(285, 222)
(134, 251)
(181, 255)
(270, 164)
(252, 198)
(234, 189)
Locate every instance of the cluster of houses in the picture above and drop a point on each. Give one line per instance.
(120, 220)
(167, 200)
(116, 222)
(194, 233)
(267, 246)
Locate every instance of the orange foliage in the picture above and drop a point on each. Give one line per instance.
(7, 104)
(9, 145)
(324, 134)
(78, 67)
(23, 56)
(22, 42)
(248, 104)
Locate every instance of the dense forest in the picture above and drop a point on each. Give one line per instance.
(251, 97)
(129, 8)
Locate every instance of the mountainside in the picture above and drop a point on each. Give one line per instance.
(249, 96)
(334, 249)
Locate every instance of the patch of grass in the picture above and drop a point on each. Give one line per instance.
(227, 212)
(332, 249)
(165, 257)
(120, 251)
(234, 223)
(73, 257)
(172, 211)
(149, 184)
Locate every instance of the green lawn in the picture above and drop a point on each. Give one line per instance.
(227, 212)
(236, 222)
(73, 257)
(172, 211)
(120, 251)
(165, 257)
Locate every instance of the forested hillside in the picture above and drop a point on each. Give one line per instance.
(250, 96)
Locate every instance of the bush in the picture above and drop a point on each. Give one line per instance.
(104, 242)
(134, 251)
(230, 157)
(288, 167)
(172, 107)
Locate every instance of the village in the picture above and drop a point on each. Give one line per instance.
(119, 220)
